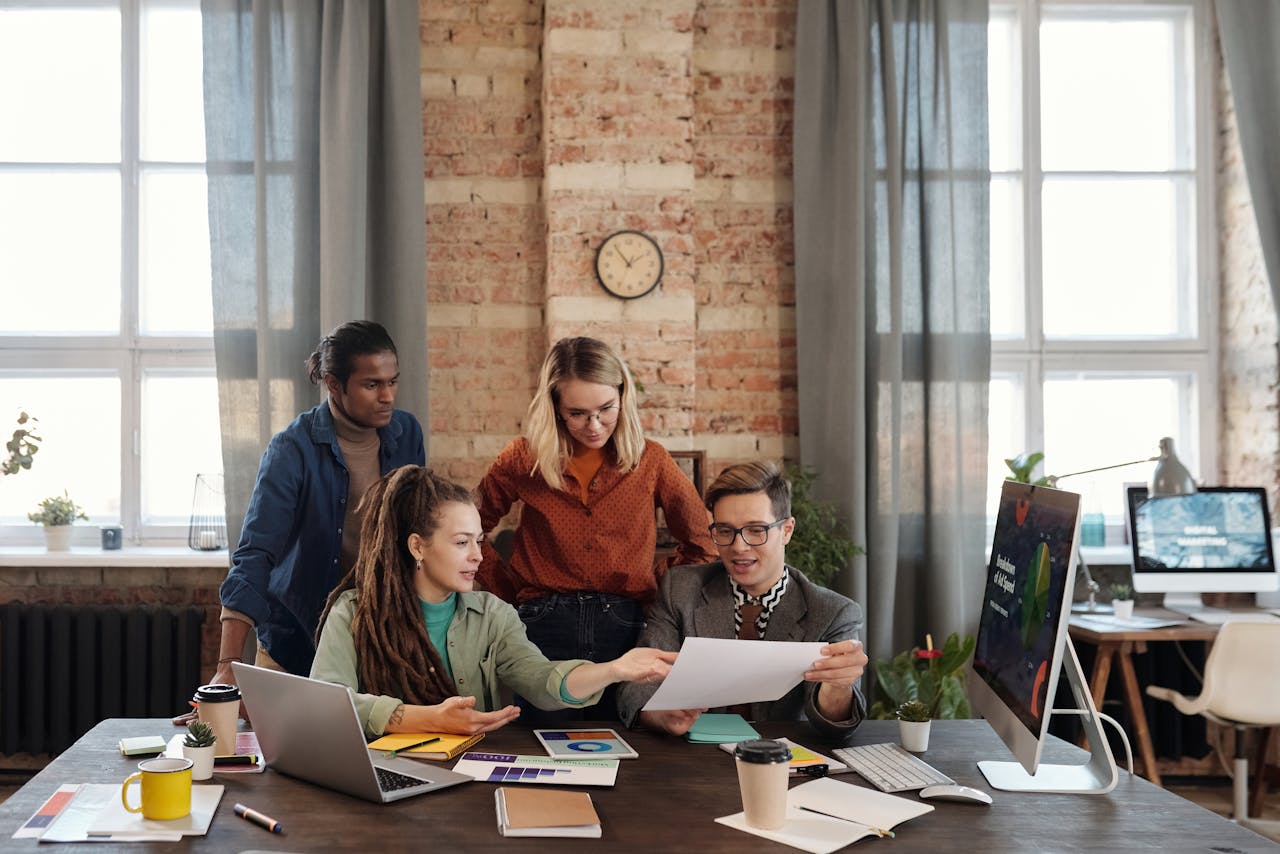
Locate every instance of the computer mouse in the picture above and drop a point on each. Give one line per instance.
(963, 794)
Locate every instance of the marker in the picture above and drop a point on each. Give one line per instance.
(258, 818)
(391, 753)
(236, 759)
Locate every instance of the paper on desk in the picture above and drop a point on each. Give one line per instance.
(807, 831)
(713, 672)
(1110, 621)
(246, 744)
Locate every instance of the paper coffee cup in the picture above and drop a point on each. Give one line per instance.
(763, 769)
(219, 706)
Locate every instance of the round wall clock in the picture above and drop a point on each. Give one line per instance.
(629, 264)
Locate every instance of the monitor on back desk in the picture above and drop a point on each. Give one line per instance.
(1216, 540)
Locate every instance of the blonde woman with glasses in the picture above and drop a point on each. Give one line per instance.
(582, 567)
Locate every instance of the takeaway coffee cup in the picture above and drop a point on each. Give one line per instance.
(166, 788)
(219, 707)
(763, 768)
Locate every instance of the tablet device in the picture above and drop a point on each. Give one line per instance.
(584, 744)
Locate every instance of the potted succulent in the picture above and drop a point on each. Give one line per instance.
(913, 726)
(1122, 600)
(198, 745)
(57, 514)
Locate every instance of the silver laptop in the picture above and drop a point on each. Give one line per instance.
(309, 729)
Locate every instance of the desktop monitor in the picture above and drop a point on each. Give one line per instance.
(1215, 540)
(1022, 645)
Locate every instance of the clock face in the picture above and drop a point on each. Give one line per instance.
(629, 264)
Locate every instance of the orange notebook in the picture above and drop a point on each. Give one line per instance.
(440, 745)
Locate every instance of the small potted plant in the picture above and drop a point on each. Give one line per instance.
(198, 745)
(913, 726)
(57, 514)
(1122, 601)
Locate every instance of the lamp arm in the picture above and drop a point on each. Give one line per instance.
(1053, 479)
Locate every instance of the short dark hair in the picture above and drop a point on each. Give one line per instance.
(336, 353)
(749, 478)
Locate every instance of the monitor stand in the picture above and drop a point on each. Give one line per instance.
(1097, 776)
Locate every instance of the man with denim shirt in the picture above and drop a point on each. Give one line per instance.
(301, 531)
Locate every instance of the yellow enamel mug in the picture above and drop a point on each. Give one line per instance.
(166, 788)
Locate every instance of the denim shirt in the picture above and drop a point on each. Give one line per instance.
(287, 561)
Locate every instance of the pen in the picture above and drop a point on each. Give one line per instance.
(878, 831)
(236, 759)
(258, 818)
(391, 753)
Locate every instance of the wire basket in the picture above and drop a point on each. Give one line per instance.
(208, 529)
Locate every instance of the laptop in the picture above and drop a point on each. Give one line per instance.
(309, 729)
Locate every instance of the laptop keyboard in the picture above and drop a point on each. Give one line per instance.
(890, 768)
(392, 781)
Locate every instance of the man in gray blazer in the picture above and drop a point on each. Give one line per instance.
(751, 593)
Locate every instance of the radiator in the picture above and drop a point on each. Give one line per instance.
(63, 668)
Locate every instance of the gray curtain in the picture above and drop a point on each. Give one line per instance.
(892, 307)
(1250, 33)
(313, 124)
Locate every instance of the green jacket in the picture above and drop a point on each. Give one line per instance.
(488, 649)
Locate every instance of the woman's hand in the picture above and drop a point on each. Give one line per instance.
(643, 664)
(455, 715)
(672, 721)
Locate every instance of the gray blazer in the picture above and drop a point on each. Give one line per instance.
(697, 601)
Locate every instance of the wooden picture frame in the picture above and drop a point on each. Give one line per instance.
(693, 464)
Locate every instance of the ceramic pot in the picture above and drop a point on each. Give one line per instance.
(914, 735)
(1124, 608)
(57, 538)
(201, 761)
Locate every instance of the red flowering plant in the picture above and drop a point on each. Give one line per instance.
(934, 677)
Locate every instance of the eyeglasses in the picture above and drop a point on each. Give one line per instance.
(606, 415)
(752, 535)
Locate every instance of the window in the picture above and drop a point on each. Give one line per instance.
(1102, 267)
(105, 336)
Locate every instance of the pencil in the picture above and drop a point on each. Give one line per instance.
(392, 753)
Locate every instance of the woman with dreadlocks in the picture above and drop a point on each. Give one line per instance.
(420, 650)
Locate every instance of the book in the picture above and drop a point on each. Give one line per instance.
(541, 812)
(445, 746)
(142, 745)
(510, 768)
(720, 728)
(802, 759)
(584, 744)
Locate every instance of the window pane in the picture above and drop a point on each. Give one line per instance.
(60, 250)
(1008, 284)
(1128, 106)
(79, 423)
(176, 296)
(1004, 91)
(180, 439)
(172, 108)
(1006, 419)
(61, 98)
(1117, 257)
(1094, 420)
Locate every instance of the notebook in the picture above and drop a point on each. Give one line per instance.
(533, 812)
(443, 746)
(309, 729)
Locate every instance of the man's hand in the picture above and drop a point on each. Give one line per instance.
(840, 667)
(674, 722)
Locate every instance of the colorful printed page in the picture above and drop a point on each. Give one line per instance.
(510, 768)
(801, 757)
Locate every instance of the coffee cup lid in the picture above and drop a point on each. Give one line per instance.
(762, 751)
(217, 694)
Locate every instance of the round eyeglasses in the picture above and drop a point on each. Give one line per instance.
(752, 535)
(606, 415)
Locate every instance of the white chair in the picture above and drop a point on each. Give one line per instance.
(1241, 690)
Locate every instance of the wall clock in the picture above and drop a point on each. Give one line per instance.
(629, 264)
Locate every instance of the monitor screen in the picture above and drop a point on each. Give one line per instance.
(1216, 540)
(1025, 610)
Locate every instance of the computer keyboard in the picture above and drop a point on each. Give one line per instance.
(1218, 616)
(392, 781)
(890, 768)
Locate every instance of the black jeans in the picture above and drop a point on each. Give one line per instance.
(595, 626)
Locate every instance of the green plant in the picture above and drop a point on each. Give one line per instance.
(22, 447)
(1122, 591)
(934, 677)
(199, 734)
(820, 546)
(57, 510)
(914, 711)
(1023, 465)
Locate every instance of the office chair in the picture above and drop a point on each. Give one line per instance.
(1241, 690)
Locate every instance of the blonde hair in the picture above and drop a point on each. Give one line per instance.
(591, 361)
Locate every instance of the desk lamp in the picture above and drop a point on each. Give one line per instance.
(1169, 478)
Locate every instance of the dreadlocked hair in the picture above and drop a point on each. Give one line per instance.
(395, 654)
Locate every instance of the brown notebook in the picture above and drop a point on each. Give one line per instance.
(545, 812)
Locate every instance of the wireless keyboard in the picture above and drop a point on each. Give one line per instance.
(890, 768)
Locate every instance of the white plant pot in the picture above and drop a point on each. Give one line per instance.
(914, 735)
(1124, 608)
(201, 759)
(57, 538)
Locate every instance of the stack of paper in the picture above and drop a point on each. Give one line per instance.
(719, 729)
(92, 812)
(532, 812)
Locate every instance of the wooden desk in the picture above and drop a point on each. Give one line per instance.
(664, 801)
(1120, 644)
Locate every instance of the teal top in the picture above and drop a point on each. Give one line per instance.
(438, 616)
(488, 651)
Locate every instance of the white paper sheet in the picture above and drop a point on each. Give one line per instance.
(712, 672)
(807, 831)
